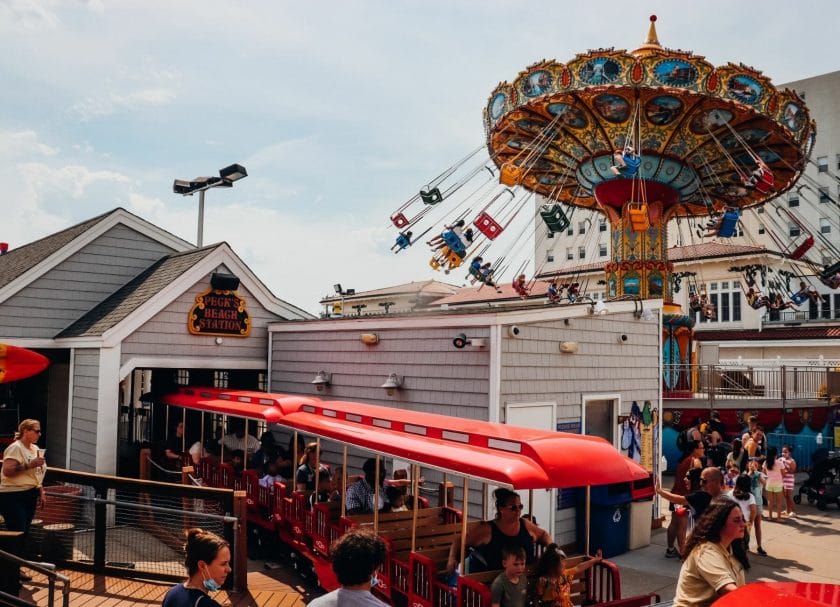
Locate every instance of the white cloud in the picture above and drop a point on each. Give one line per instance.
(73, 180)
(23, 144)
(29, 14)
(94, 107)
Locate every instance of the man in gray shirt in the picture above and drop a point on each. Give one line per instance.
(356, 555)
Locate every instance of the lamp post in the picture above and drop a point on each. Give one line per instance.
(226, 177)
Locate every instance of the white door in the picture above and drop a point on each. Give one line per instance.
(542, 416)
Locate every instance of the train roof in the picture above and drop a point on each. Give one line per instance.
(523, 458)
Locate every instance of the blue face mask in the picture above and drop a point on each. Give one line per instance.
(374, 581)
(210, 584)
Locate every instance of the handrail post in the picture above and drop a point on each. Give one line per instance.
(145, 472)
(783, 384)
(240, 541)
(99, 531)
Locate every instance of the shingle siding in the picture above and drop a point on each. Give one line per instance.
(85, 398)
(73, 287)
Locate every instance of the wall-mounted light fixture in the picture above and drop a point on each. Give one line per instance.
(393, 382)
(224, 282)
(322, 380)
(640, 313)
(369, 339)
(219, 341)
(568, 347)
(461, 341)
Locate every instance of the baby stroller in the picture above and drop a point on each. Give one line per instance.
(820, 487)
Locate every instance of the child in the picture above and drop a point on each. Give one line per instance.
(732, 476)
(324, 485)
(757, 480)
(510, 588)
(272, 474)
(396, 499)
(553, 582)
(742, 493)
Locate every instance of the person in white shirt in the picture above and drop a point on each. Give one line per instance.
(743, 496)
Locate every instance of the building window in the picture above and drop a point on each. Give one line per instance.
(220, 379)
(793, 229)
(602, 225)
(182, 377)
(825, 226)
(838, 162)
(824, 194)
(793, 200)
(549, 255)
(727, 302)
(581, 227)
(822, 164)
(581, 252)
(570, 231)
(761, 228)
(602, 250)
(760, 210)
(570, 254)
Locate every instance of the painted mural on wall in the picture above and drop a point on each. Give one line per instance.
(639, 434)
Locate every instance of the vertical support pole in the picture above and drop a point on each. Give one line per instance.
(588, 517)
(222, 442)
(145, 472)
(783, 383)
(376, 498)
(464, 526)
(240, 541)
(199, 240)
(99, 531)
(184, 430)
(343, 485)
(415, 489)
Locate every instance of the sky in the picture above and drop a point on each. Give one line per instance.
(339, 110)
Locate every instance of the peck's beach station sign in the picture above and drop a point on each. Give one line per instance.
(219, 312)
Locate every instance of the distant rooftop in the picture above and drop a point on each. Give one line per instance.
(428, 288)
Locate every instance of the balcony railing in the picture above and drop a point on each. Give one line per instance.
(789, 317)
(727, 382)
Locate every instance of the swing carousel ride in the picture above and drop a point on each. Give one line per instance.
(641, 137)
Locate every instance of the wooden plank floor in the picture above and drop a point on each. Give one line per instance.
(276, 588)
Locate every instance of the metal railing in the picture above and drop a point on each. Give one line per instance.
(725, 382)
(799, 316)
(46, 569)
(128, 527)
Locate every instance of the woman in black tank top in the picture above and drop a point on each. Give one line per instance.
(509, 527)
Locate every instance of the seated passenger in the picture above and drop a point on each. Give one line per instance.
(626, 162)
(574, 292)
(396, 499)
(553, 292)
(360, 495)
(237, 440)
(403, 241)
(757, 175)
(520, 286)
(322, 495)
(272, 474)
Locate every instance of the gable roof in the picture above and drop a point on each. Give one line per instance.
(21, 266)
(128, 298)
(17, 261)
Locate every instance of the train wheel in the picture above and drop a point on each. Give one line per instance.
(821, 505)
(797, 499)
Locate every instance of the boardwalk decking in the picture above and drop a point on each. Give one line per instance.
(277, 588)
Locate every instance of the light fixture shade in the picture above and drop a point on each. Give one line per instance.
(224, 282)
(322, 378)
(181, 186)
(234, 172)
(393, 382)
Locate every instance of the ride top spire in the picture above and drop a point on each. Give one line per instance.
(651, 43)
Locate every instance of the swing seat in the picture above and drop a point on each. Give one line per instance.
(510, 175)
(555, 219)
(799, 298)
(830, 271)
(631, 165)
(729, 223)
(454, 259)
(765, 183)
(799, 251)
(403, 241)
(487, 225)
(399, 220)
(431, 196)
(434, 263)
(638, 213)
(453, 241)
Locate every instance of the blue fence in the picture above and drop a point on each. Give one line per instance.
(803, 445)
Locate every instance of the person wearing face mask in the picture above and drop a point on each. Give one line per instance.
(356, 555)
(208, 564)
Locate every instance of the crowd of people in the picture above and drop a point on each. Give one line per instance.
(717, 502)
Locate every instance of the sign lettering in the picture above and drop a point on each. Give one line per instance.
(219, 312)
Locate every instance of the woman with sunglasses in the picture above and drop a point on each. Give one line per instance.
(21, 479)
(488, 537)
